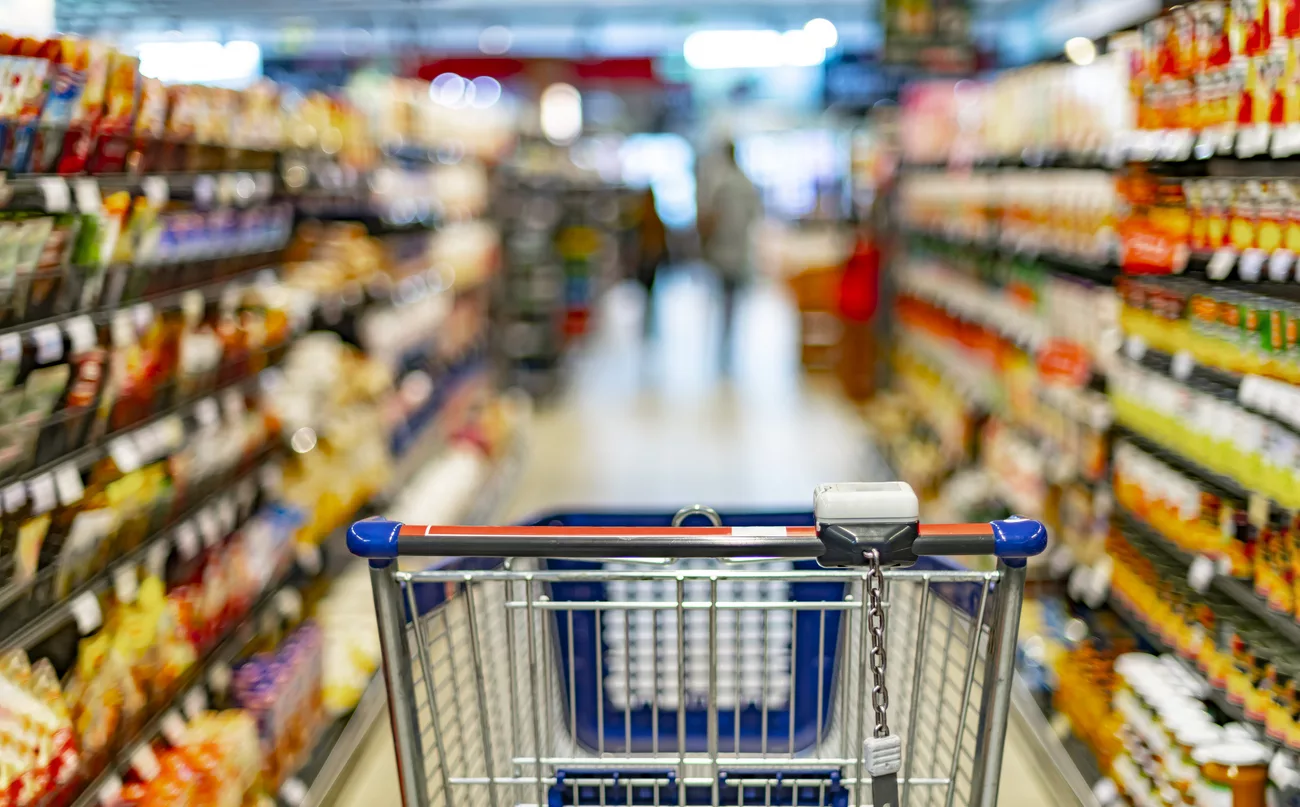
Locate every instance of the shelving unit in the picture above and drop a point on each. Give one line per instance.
(987, 222)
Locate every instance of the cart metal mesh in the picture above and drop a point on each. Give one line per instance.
(501, 729)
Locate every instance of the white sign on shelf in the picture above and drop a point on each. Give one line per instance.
(173, 727)
(86, 613)
(67, 481)
(58, 197)
(49, 343)
(155, 190)
(1200, 574)
(145, 762)
(156, 559)
(1279, 265)
(1251, 264)
(81, 334)
(209, 527)
(195, 702)
(293, 791)
(86, 192)
(110, 793)
(1181, 365)
(1221, 263)
(126, 583)
(219, 677)
(187, 540)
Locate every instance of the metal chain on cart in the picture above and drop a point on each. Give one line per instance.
(882, 752)
(876, 624)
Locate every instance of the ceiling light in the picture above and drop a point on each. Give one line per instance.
(713, 50)
(448, 89)
(235, 64)
(487, 91)
(560, 113)
(1081, 50)
(823, 32)
(495, 40)
(708, 50)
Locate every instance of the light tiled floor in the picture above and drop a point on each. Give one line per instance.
(658, 427)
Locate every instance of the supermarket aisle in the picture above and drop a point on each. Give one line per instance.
(658, 427)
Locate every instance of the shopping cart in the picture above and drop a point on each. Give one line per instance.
(639, 659)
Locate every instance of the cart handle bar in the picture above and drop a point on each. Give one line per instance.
(380, 541)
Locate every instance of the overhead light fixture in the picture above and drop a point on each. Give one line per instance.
(235, 64)
(495, 40)
(718, 50)
(1081, 50)
(560, 113)
(823, 32)
(487, 91)
(448, 89)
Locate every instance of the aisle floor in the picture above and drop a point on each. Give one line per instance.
(658, 425)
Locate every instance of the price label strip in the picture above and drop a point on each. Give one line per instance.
(87, 613)
(173, 727)
(187, 540)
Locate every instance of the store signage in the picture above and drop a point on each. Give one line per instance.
(934, 35)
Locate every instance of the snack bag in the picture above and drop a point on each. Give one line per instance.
(1250, 31)
(1198, 232)
(96, 58)
(1286, 15)
(151, 121)
(67, 83)
(1244, 216)
(1183, 33)
(184, 112)
(120, 92)
(1213, 46)
(1239, 91)
(1268, 73)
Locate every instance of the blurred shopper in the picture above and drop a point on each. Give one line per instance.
(859, 300)
(652, 254)
(729, 205)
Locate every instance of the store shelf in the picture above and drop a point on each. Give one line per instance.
(57, 193)
(87, 455)
(336, 749)
(1240, 591)
(1103, 274)
(1183, 464)
(235, 644)
(1270, 398)
(212, 289)
(1217, 696)
(1067, 766)
(1092, 160)
(59, 614)
(1224, 383)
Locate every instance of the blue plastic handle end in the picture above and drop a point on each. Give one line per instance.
(375, 539)
(1016, 538)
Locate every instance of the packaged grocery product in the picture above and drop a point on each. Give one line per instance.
(1232, 773)
(1250, 29)
(1213, 45)
(40, 750)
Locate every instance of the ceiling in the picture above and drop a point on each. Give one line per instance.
(563, 28)
(357, 27)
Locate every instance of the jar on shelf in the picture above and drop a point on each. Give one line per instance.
(1232, 774)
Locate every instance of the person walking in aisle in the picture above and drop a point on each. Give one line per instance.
(653, 252)
(729, 206)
